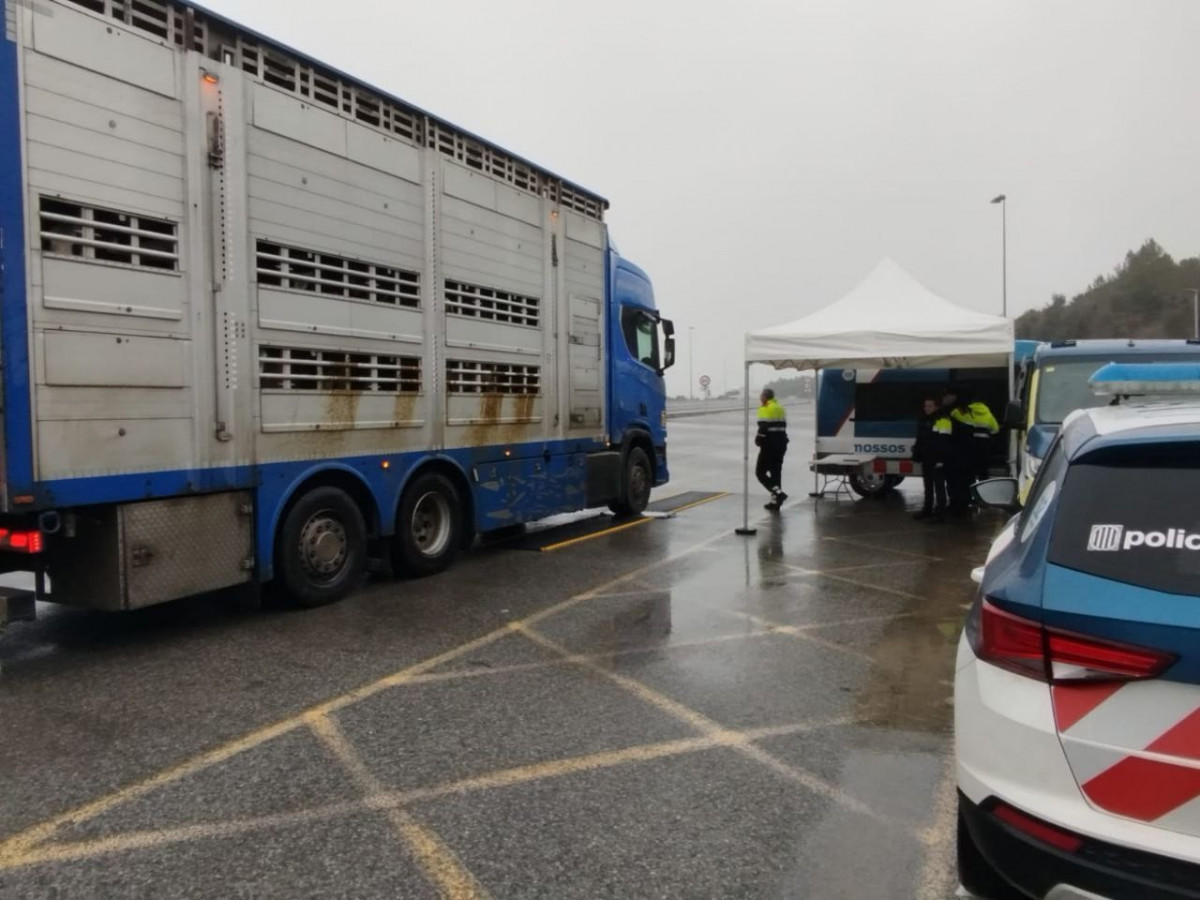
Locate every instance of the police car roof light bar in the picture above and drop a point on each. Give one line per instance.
(1141, 379)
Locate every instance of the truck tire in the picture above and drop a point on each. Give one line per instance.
(429, 526)
(871, 484)
(321, 551)
(637, 480)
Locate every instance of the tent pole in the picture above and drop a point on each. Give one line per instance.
(746, 530)
(817, 494)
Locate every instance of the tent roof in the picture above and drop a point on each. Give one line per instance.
(890, 320)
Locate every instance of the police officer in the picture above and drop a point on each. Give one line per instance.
(932, 450)
(978, 426)
(772, 443)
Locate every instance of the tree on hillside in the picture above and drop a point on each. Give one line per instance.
(1145, 297)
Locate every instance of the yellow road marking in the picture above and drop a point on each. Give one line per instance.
(152, 839)
(721, 495)
(708, 727)
(865, 546)
(16, 847)
(936, 879)
(805, 632)
(562, 545)
(441, 865)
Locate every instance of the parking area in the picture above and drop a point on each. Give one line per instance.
(665, 710)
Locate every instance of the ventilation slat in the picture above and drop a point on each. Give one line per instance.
(468, 377)
(492, 305)
(108, 235)
(311, 271)
(327, 371)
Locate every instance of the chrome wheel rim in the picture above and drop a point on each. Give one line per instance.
(430, 526)
(324, 546)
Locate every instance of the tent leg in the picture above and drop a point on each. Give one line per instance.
(746, 530)
(817, 493)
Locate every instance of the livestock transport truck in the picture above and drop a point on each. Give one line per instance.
(262, 322)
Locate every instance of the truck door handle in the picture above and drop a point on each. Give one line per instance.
(642, 409)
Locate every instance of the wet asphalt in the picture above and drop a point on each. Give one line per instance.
(667, 710)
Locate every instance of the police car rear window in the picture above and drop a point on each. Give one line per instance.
(1133, 516)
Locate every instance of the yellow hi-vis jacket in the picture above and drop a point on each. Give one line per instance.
(772, 424)
(977, 417)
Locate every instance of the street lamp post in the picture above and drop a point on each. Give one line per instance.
(1195, 292)
(1002, 200)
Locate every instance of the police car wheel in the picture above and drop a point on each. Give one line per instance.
(870, 484)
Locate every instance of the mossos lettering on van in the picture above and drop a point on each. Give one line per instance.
(882, 448)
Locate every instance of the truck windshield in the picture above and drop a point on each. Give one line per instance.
(641, 337)
(1063, 388)
(1063, 383)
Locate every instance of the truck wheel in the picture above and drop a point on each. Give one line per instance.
(321, 553)
(429, 526)
(636, 483)
(870, 484)
(976, 873)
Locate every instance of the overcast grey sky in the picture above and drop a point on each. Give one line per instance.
(762, 156)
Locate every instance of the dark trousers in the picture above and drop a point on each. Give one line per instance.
(979, 459)
(960, 473)
(769, 470)
(935, 487)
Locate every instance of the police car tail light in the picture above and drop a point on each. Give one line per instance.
(1074, 657)
(1008, 641)
(1029, 648)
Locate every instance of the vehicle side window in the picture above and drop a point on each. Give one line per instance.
(641, 337)
(1045, 488)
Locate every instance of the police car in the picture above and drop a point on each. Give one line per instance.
(1077, 693)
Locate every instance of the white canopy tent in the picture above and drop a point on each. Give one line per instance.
(890, 320)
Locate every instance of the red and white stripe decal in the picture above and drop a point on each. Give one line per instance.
(896, 467)
(1134, 748)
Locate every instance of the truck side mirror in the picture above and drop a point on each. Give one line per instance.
(1014, 415)
(668, 328)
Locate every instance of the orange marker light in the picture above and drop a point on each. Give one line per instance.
(387, 463)
(210, 78)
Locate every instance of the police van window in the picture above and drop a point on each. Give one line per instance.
(641, 336)
(1133, 515)
(1044, 490)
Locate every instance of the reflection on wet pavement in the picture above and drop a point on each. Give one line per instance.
(673, 711)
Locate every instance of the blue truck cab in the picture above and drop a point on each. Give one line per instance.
(1053, 382)
(644, 348)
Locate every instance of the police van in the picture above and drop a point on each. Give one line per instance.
(1077, 693)
(867, 418)
(1052, 382)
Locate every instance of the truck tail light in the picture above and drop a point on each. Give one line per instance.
(1051, 655)
(29, 542)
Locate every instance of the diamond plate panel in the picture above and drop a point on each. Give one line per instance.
(185, 546)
